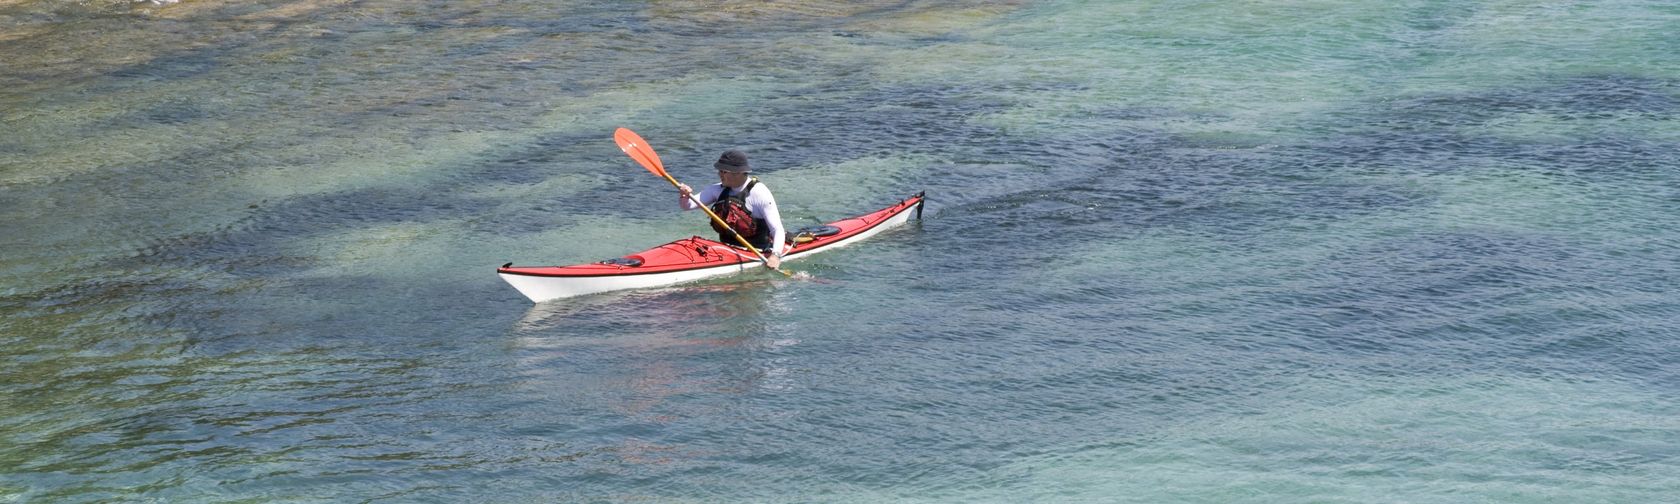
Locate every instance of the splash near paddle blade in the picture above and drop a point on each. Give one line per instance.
(638, 149)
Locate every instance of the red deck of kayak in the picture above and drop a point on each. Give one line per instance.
(696, 252)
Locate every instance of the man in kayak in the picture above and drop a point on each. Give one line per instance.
(744, 204)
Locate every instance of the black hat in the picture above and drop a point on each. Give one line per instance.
(733, 161)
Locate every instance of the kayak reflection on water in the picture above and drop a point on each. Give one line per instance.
(662, 313)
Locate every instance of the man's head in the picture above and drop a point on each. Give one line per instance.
(732, 168)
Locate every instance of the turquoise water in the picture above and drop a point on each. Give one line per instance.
(1416, 251)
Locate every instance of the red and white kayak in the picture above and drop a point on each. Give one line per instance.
(695, 258)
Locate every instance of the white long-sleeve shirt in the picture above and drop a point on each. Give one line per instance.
(760, 203)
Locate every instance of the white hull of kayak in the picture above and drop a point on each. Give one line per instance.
(546, 288)
(540, 289)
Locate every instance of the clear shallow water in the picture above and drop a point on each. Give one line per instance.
(1211, 252)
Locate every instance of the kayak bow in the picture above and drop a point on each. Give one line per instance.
(694, 258)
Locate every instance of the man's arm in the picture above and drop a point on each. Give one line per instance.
(773, 218)
(707, 195)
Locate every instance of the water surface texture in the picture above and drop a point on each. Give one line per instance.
(1263, 251)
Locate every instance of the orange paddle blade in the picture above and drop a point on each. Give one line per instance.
(638, 149)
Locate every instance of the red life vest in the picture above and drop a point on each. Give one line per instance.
(732, 208)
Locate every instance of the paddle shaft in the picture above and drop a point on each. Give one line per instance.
(719, 220)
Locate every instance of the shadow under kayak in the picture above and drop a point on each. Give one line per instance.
(695, 258)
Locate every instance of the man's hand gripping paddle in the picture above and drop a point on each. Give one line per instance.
(639, 150)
